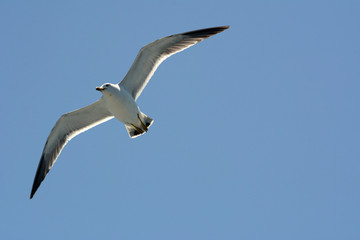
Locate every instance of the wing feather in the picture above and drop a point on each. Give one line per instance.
(68, 126)
(153, 54)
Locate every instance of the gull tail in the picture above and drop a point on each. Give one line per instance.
(135, 131)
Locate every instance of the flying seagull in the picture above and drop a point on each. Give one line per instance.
(118, 100)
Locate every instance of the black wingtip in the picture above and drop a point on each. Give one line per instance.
(206, 32)
(35, 187)
(39, 176)
(33, 191)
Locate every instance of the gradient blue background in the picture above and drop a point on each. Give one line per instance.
(256, 132)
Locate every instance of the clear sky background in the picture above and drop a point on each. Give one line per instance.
(256, 132)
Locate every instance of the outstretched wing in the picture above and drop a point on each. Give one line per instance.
(153, 54)
(68, 126)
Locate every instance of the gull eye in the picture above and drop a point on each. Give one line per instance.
(106, 85)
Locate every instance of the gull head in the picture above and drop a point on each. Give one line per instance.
(107, 87)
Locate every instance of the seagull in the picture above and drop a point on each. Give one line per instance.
(117, 100)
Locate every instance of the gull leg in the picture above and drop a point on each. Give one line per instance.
(139, 130)
(142, 124)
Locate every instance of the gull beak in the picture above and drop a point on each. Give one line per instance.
(99, 89)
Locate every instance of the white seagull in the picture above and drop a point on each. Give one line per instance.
(118, 100)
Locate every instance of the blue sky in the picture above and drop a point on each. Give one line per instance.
(265, 144)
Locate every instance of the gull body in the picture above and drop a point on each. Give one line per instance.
(120, 103)
(122, 106)
(118, 100)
